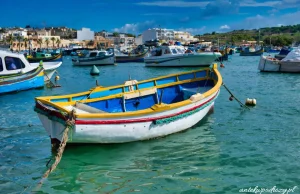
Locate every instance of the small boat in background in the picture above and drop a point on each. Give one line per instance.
(133, 111)
(17, 74)
(254, 52)
(289, 64)
(171, 56)
(96, 57)
(45, 57)
(136, 55)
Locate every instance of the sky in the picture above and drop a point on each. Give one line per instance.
(135, 16)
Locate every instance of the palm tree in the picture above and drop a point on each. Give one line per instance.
(25, 43)
(47, 41)
(58, 42)
(10, 39)
(19, 38)
(53, 40)
(40, 42)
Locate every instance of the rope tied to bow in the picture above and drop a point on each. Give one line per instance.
(70, 122)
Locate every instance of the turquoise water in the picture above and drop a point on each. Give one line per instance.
(229, 150)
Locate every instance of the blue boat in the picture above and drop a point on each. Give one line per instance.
(17, 74)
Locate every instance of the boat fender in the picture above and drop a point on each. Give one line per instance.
(250, 102)
(196, 97)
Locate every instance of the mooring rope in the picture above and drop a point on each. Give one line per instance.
(241, 104)
(69, 125)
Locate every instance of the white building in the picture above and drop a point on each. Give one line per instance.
(85, 34)
(158, 33)
(18, 32)
(139, 40)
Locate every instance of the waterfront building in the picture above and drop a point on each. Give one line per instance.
(158, 33)
(85, 34)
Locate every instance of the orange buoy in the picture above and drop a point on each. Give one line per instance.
(222, 65)
(231, 98)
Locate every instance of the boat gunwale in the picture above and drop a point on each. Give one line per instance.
(160, 108)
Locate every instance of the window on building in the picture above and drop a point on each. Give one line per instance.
(13, 63)
(1, 65)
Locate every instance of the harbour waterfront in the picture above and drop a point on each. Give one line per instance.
(229, 150)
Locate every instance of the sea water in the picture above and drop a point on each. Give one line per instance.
(229, 150)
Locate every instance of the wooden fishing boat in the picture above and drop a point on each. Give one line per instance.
(131, 57)
(95, 58)
(45, 58)
(133, 111)
(247, 52)
(17, 74)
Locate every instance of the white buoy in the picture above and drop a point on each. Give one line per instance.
(250, 102)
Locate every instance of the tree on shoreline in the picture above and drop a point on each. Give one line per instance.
(53, 40)
(47, 41)
(40, 41)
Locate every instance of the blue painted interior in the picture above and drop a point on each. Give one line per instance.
(186, 76)
(166, 80)
(171, 94)
(200, 74)
(60, 100)
(106, 93)
(127, 88)
(79, 97)
(146, 85)
(140, 103)
(110, 105)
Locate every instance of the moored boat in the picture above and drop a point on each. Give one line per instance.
(133, 111)
(289, 64)
(131, 57)
(248, 52)
(170, 56)
(95, 58)
(45, 57)
(17, 74)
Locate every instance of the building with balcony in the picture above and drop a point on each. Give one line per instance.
(158, 33)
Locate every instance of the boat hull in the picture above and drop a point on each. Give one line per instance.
(255, 53)
(96, 61)
(123, 130)
(22, 82)
(201, 59)
(269, 65)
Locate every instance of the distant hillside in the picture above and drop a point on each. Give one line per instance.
(276, 36)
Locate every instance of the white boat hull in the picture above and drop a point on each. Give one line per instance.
(269, 65)
(197, 59)
(123, 130)
(105, 61)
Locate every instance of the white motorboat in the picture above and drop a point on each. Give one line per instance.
(290, 64)
(96, 57)
(170, 56)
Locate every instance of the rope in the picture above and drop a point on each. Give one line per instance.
(69, 125)
(242, 105)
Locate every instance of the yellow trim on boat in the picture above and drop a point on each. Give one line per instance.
(153, 109)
